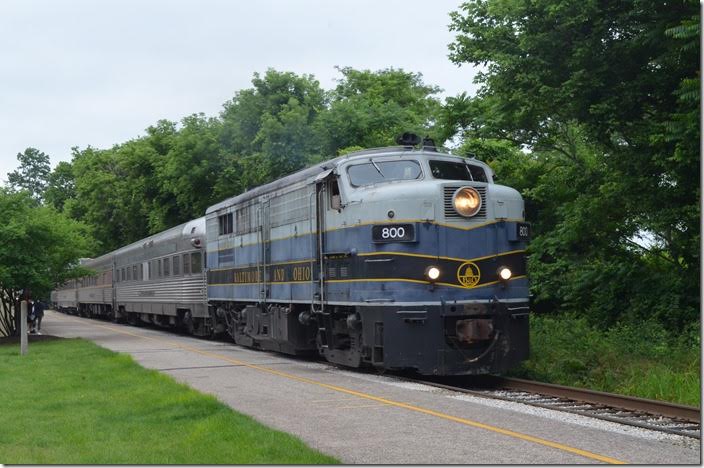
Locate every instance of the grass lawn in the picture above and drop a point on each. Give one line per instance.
(72, 402)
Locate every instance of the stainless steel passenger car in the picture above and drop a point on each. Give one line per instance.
(95, 294)
(64, 297)
(160, 280)
(396, 258)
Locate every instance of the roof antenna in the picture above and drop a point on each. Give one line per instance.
(408, 139)
(429, 144)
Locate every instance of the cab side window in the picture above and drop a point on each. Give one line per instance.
(334, 200)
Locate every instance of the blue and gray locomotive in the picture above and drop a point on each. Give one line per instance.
(396, 258)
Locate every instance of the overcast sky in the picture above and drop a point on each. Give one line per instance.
(79, 73)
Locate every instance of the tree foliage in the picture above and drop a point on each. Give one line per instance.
(33, 173)
(603, 94)
(270, 127)
(61, 186)
(39, 249)
(370, 109)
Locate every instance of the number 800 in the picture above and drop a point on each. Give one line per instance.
(393, 233)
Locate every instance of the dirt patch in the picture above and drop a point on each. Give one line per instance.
(6, 340)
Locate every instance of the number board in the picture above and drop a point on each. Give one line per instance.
(523, 231)
(394, 233)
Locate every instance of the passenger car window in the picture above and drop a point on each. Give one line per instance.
(195, 262)
(374, 172)
(451, 170)
(177, 269)
(186, 264)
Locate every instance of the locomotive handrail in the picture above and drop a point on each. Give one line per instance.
(312, 250)
(321, 230)
(260, 236)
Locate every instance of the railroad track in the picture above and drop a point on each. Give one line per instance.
(639, 412)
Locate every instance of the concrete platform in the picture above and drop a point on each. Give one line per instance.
(371, 419)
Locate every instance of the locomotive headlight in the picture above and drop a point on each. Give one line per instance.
(505, 273)
(467, 201)
(432, 273)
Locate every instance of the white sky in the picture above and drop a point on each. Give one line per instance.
(79, 73)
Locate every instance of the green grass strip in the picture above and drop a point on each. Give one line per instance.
(72, 402)
(642, 360)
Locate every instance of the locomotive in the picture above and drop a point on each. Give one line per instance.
(397, 258)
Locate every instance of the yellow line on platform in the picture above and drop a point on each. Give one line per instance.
(417, 409)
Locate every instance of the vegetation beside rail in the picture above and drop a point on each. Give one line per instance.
(72, 402)
(643, 361)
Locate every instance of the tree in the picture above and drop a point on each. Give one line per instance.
(268, 130)
(61, 186)
(371, 109)
(115, 192)
(606, 93)
(187, 173)
(33, 173)
(39, 249)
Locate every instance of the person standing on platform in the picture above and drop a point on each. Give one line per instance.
(38, 316)
(30, 316)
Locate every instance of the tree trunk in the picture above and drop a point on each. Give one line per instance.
(9, 318)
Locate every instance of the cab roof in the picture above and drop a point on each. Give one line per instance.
(317, 169)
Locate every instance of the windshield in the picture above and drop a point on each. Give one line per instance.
(457, 171)
(374, 172)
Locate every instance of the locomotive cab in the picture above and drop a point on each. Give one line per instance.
(421, 241)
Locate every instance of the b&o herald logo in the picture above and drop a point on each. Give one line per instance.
(468, 274)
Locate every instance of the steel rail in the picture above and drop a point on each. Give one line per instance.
(661, 408)
(684, 420)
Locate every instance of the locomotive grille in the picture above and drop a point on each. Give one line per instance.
(450, 212)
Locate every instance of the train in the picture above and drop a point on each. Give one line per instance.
(398, 258)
